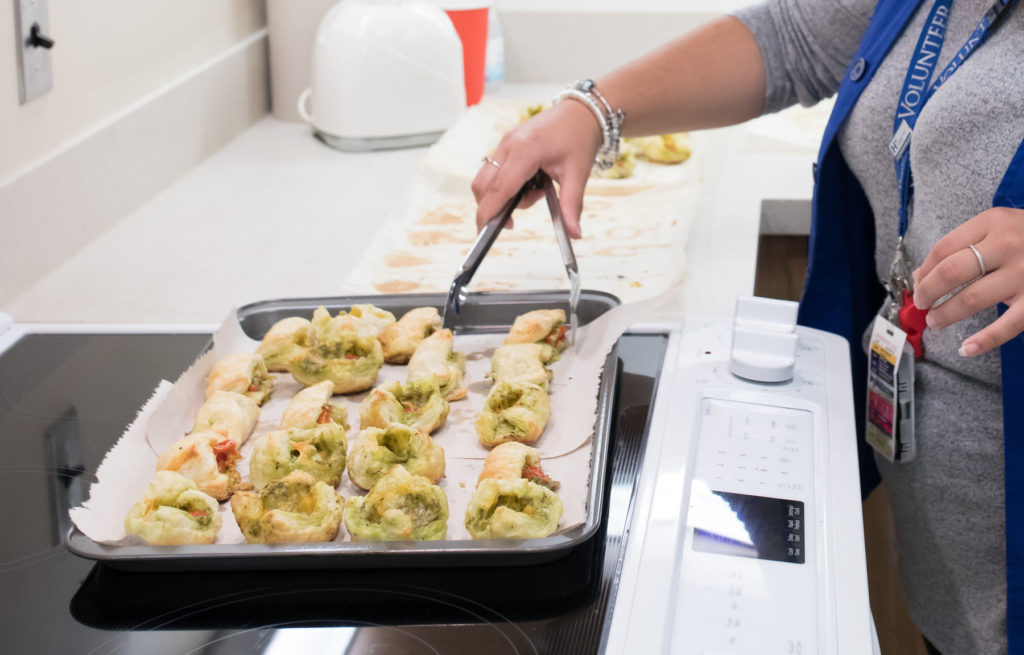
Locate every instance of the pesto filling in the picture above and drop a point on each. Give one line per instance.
(504, 398)
(199, 513)
(398, 443)
(287, 497)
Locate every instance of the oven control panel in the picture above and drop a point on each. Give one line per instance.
(746, 535)
(747, 580)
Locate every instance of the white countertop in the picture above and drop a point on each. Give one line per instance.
(276, 213)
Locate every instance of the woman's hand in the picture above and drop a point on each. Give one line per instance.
(998, 236)
(562, 141)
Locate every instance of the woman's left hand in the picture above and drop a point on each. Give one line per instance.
(998, 236)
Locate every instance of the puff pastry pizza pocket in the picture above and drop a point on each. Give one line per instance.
(523, 362)
(436, 358)
(401, 506)
(513, 411)
(664, 148)
(312, 406)
(511, 461)
(539, 326)
(364, 320)
(174, 511)
(230, 414)
(319, 451)
(243, 373)
(418, 404)
(376, 451)
(295, 508)
(346, 357)
(373, 318)
(512, 509)
(209, 459)
(401, 339)
(284, 341)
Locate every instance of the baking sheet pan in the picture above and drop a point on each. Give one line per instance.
(488, 312)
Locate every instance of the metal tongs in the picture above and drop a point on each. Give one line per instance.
(457, 294)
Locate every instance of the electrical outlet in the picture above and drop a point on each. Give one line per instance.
(32, 25)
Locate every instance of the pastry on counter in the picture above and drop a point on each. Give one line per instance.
(624, 166)
(344, 356)
(399, 506)
(523, 362)
(376, 450)
(416, 403)
(209, 459)
(173, 511)
(435, 357)
(513, 412)
(663, 149)
(230, 414)
(243, 373)
(400, 339)
(296, 508)
(511, 461)
(312, 406)
(319, 451)
(512, 509)
(539, 326)
(530, 111)
(285, 340)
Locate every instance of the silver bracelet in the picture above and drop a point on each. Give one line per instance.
(609, 119)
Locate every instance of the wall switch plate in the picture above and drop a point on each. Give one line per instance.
(35, 76)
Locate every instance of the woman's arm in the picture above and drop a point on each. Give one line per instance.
(709, 78)
(726, 72)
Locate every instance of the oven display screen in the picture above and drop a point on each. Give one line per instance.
(748, 526)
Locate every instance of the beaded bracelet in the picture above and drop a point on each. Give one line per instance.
(609, 119)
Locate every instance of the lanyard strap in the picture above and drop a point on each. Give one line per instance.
(917, 90)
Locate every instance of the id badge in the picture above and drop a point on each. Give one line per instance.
(890, 393)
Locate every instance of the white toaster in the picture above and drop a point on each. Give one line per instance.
(385, 74)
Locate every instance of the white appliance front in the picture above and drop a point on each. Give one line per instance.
(747, 535)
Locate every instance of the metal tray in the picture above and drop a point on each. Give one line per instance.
(484, 312)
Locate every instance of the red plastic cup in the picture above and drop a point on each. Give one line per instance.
(470, 20)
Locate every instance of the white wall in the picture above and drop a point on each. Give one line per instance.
(721, 6)
(108, 54)
(143, 90)
(557, 41)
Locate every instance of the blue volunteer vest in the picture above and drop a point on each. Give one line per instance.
(842, 293)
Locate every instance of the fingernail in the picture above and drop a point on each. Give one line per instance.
(930, 320)
(969, 349)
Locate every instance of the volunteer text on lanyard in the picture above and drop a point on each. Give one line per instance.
(915, 94)
(896, 333)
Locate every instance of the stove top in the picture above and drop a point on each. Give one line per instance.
(65, 399)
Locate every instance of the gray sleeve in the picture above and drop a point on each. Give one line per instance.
(806, 45)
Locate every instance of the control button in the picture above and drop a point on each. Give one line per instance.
(859, 68)
(764, 342)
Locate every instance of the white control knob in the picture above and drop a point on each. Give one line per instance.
(764, 342)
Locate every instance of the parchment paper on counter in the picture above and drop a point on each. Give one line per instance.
(635, 230)
(566, 445)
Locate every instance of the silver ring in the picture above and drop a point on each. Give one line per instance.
(981, 262)
(488, 160)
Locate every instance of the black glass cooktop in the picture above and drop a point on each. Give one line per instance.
(64, 400)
